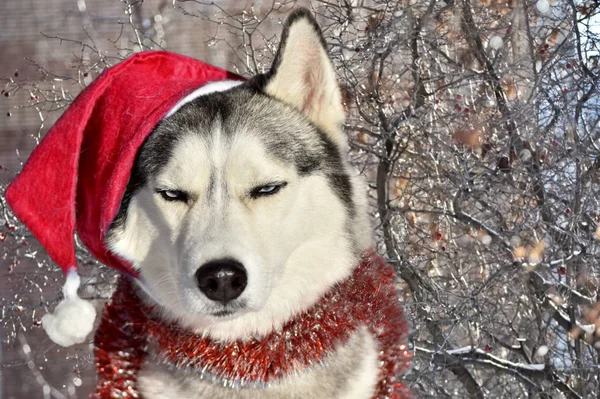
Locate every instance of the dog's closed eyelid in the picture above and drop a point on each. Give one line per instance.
(267, 189)
(173, 195)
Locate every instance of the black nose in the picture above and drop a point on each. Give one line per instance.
(222, 280)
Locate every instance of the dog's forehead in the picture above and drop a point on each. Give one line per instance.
(245, 122)
(198, 158)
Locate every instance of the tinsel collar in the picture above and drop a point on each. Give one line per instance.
(129, 333)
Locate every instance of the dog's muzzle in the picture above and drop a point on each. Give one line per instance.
(222, 280)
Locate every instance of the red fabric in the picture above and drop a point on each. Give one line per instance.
(76, 177)
(130, 332)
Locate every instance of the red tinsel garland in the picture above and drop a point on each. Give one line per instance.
(368, 297)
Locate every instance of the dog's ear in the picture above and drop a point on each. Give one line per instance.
(302, 74)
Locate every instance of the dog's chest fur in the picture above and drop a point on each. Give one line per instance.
(350, 372)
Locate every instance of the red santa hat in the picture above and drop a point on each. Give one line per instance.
(75, 179)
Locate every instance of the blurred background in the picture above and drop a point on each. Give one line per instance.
(475, 123)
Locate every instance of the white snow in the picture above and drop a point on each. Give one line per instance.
(486, 239)
(488, 358)
(542, 351)
(496, 42)
(537, 366)
(458, 351)
(525, 155)
(543, 6)
(588, 328)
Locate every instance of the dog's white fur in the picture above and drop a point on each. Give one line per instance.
(294, 245)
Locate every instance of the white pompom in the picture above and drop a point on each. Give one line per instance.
(73, 318)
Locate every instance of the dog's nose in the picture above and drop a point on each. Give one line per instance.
(222, 280)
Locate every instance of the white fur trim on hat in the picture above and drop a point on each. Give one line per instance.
(73, 318)
(208, 88)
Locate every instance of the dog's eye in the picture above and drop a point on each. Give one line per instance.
(267, 189)
(173, 195)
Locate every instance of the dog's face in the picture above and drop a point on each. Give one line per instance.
(241, 209)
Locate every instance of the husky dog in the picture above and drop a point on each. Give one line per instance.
(242, 211)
